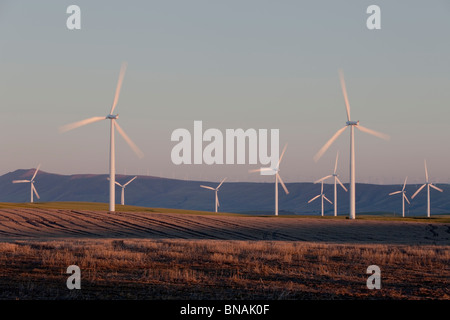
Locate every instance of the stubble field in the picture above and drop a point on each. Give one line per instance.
(151, 255)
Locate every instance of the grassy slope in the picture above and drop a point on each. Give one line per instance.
(95, 206)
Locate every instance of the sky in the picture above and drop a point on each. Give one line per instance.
(231, 64)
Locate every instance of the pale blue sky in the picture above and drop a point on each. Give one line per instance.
(232, 64)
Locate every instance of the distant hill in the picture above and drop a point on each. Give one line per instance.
(238, 197)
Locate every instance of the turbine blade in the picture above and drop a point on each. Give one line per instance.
(341, 184)
(129, 181)
(314, 198)
(436, 188)
(128, 140)
(418, 190)
(344, 92)
(426, 170)
(119, 86)
(217, 199)
(117, 183)
(282, 184)
(282, 154)
(404, 185)
(261, 169)
(328, 144)
(373, 132)
(323, 179)
(392, 193)
(406, 198)
(37, 169)
(35, 191)
(221, 183)
(78, 124)
(206, 187)
(335, 165)
(20, 181)
(327, 199)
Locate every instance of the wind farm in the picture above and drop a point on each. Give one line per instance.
(281, 189)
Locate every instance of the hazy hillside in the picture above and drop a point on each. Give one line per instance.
(239, 197)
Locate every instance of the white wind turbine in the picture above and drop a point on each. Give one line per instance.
(352, 125)
(336, 179)
(277, 178)
(322, 196)
(428, 184)
(122, 198)
(114, 125)
(404, 197)
(31, 181)
(216, 190)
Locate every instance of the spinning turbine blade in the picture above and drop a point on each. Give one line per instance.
(221, 183)
(282, 154)
(335, 165)
(328, 144)
(314, 198)
(404, 185)
(37, 169)
(128, 140)
(261, 169)
(426, 171)
(392, 193)
(119, 86)
(217, 199)
(436, 188)
(206, 187)
(129, 181)
(81, 123)
(327, 199)
(418, 190)
(344, 92)
(341, 184)
(282, 184)
(20, 181)
(35, 191)
(374, 133)
(406, 198)
(323, 179)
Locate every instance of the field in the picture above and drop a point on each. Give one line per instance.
(142, 253)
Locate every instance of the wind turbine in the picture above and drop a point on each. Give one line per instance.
(322, 195)
(114, 125)
(352, 125)
(122, 198)
(31, 181)
(404, 197)
(428, 184)
(277, 178)
(336, 179)
(216, 190)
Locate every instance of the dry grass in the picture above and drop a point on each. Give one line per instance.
(214, 269)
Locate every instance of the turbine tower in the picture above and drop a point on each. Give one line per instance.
(122, 198)
(336, 179)
(404, 197)
(277, 178)
(428, 184)
(322, 196)
(216, 190)
(351, 124)
(114, 125)
(31, 181)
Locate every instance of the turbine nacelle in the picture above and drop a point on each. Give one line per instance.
(112, 116)
(352, 123)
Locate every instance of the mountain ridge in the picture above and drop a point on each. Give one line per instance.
(237, 197)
